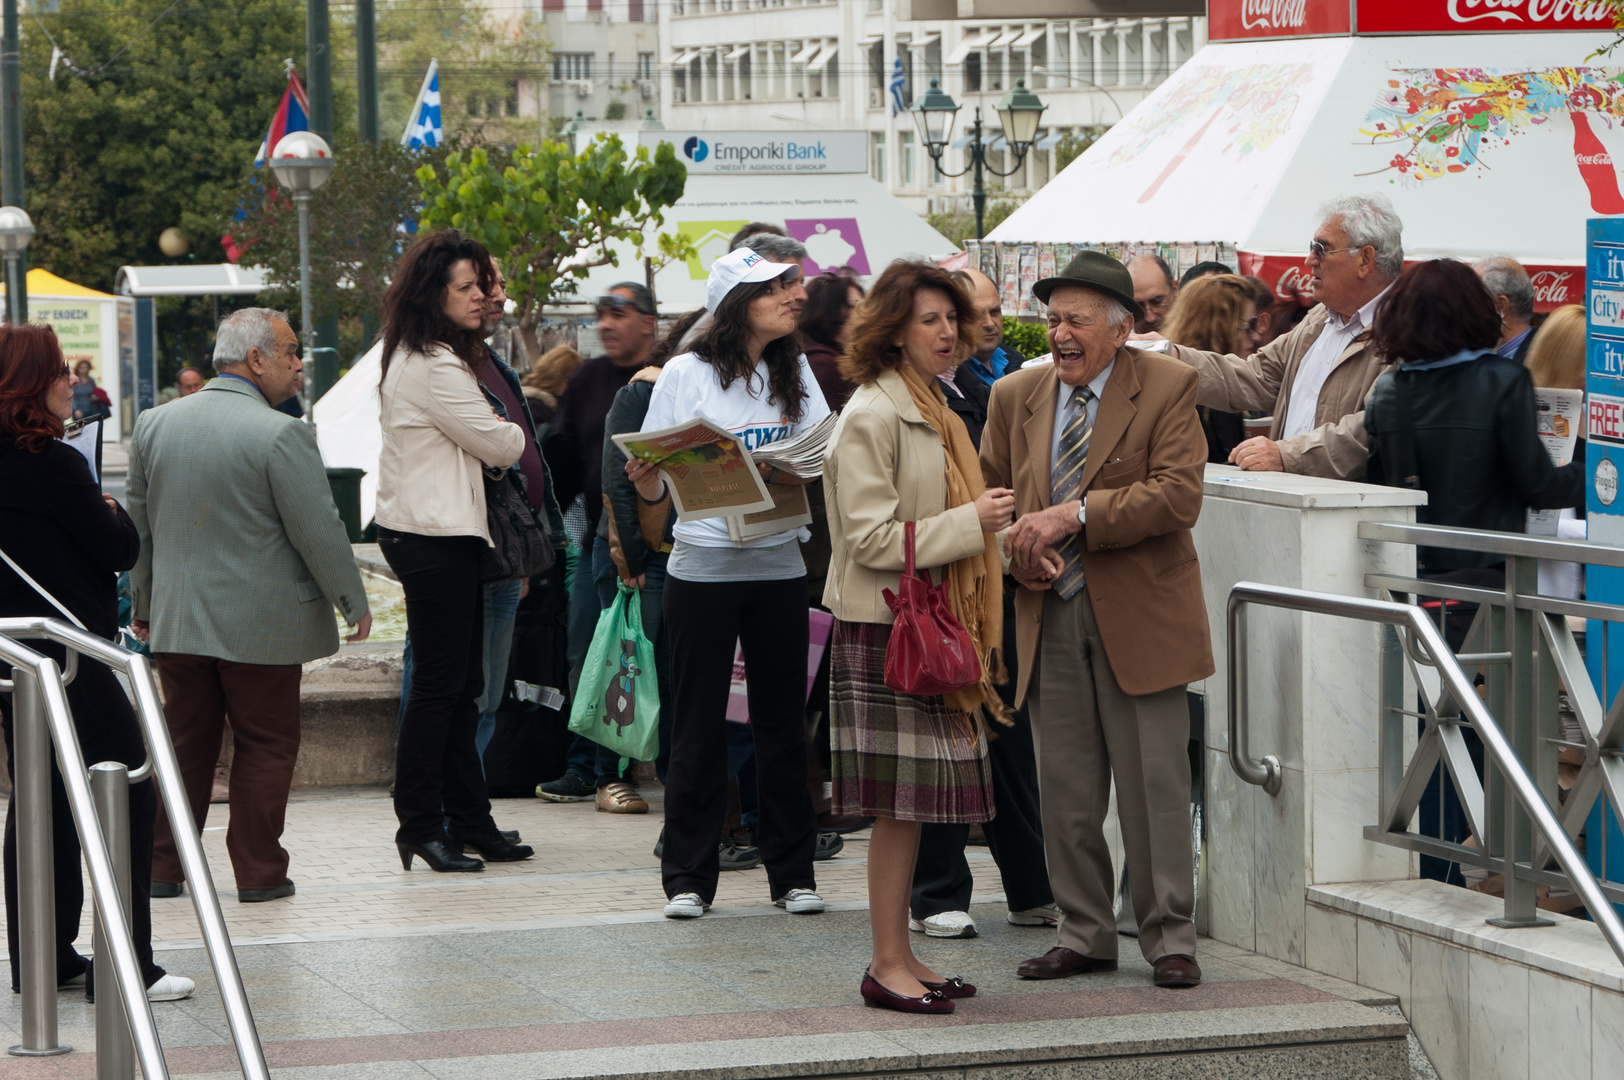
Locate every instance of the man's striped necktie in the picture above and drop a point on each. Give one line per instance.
(1066, 483)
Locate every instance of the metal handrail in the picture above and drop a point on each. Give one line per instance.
(165, 772)
(1495, 744)
(1489, 541)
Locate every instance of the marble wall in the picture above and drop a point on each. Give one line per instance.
(1313, 686)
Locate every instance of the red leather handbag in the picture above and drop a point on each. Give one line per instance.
(930, 652)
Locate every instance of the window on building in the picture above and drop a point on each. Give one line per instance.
(594, 5)
(1062, 59)
(645, 65)
(874, 56)
(831, 78)
(906, 138)
(1084, 68)
(572, 65)
(552, 5)
(1183, 46)
(1156, 68)
(679, 83)
(1133, 58)
(995, 71)
(972, 73)
(746, 86)
(510, 103)
(876, 167)
(634, 10)
(1110, 72)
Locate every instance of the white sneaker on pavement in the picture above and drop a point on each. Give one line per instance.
(686, 905)
(171, 988)
(1048, 915)
(801, 902)
(949, 924)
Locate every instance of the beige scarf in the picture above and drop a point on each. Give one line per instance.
(976, 583)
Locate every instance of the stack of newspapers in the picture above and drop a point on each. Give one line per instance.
(801, 456)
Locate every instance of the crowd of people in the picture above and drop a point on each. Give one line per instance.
(1050, 500)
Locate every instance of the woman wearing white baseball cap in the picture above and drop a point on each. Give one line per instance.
(745, 373)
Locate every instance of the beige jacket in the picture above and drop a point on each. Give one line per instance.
(437, 430)
(884, 466)
(1337, 446)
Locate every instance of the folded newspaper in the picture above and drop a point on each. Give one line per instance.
(707, 468)
(801, 456)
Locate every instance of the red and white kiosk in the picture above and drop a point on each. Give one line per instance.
(1486, 122)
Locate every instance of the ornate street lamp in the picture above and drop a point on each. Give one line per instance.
(16, 230)
(302, 162)
(1018, 114)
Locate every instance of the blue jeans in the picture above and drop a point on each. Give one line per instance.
(501, 609)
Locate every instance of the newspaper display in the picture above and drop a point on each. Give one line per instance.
(1010, 284)
(1558, 415)
(802, 455)
(1046, 269)
(1029, 277)
(706, 467)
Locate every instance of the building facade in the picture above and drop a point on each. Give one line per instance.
(605, 61)
(801, 65)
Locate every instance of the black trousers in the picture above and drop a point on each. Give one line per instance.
(1015, 836)
(768, 619)
(437, 770)
(105, 721)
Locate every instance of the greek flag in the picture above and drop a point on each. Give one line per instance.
(897, 80)
(423, 123)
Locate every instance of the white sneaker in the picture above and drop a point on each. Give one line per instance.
(1048, 915)
(171, 988)
(801, 902)
(944, 924)
(686, 905)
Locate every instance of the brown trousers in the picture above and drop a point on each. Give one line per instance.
(261, 703)
(1086, 731)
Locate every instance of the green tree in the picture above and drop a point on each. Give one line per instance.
(152, 116)
(959, 224)
(551, 216)
(1073, 143)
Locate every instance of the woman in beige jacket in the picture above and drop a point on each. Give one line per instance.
(900, 455)
(438, 433)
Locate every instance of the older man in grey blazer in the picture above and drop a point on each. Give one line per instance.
(243, 558)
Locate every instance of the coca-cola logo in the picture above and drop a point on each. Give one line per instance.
(1593, 159)
(1273, 14)
(1530, 11)
(1295, 283)
(1551, 287)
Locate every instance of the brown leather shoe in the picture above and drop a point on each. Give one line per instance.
(1176, 970)
(1061, 962)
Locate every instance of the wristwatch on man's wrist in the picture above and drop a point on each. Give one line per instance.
(1082, 514)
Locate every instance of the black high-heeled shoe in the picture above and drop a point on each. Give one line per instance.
(492, 844)
(441, 855)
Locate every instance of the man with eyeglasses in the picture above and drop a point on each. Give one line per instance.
(1154, 289)
(626, 326)
(1316, 378)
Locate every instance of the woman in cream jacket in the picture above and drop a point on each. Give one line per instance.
(900, 456)
(438, 433)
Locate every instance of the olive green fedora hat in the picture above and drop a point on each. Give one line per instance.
(1098, 271)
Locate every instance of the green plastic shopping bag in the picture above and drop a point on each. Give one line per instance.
(617, 703)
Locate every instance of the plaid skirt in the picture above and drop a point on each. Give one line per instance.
(896, 755)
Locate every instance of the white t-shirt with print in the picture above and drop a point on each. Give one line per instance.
(688, 388)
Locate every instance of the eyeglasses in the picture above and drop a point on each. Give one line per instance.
(64, 373)
(1318, 249)
(616, 302)
(1158, 303)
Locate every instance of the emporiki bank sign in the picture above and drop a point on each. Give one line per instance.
(766, 151)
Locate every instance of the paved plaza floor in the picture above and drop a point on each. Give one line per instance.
(562, 966)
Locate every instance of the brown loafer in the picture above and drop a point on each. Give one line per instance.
(1176, 970)
(1061, 962)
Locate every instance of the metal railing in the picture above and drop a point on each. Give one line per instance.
(1517, 808)
(99, 797)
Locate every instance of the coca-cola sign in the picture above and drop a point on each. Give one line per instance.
(1479, 16)
(1291, 279)
(1243, 20)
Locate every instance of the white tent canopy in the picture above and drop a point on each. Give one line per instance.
(843, 218)
(348, 429)
(1486, 144)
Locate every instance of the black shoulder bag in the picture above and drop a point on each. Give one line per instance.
(520, 544)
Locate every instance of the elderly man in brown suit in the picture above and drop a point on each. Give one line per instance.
(1316, 378)
(1105, 453)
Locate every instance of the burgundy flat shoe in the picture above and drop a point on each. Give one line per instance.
(879, 996)
(951, 987)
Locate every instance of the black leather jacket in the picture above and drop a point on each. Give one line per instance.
(625, 414)
(1475, 454)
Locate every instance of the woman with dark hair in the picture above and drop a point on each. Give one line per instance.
(900, 456)
(824, 319)
(1454, 419)
(1215, 313)
(439, 430)
(74, 542)
(1457, 421)
(746, 374)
